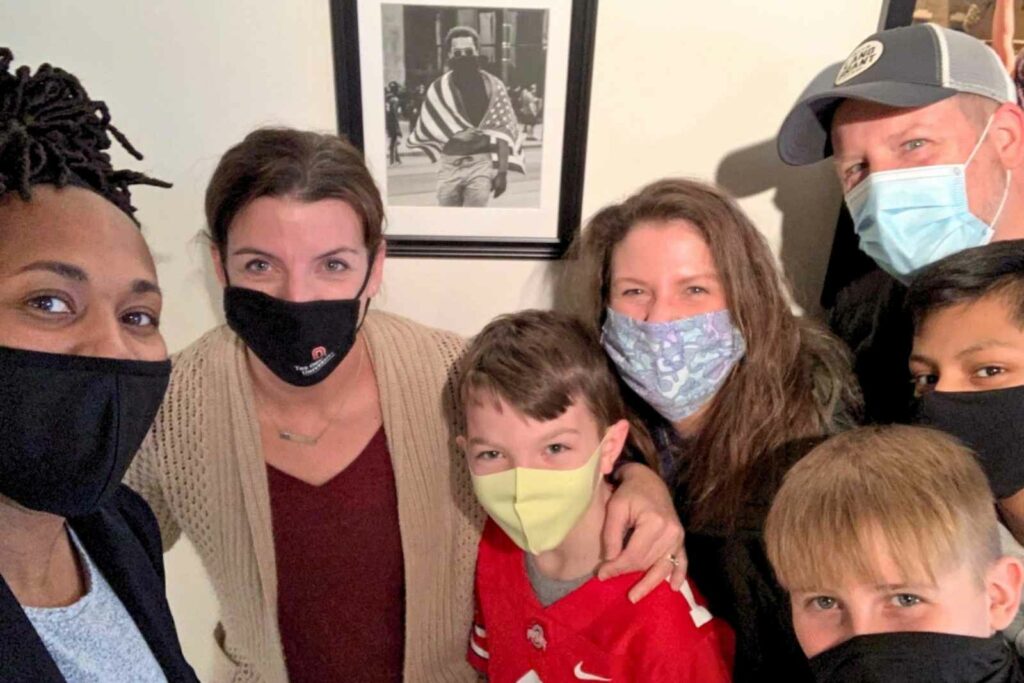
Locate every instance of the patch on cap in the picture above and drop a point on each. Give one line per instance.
(860, 60)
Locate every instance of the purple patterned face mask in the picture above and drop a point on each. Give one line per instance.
(676, 366)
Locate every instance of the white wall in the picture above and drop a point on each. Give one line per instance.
(682, 87)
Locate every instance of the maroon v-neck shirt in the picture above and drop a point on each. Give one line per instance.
(340, 576)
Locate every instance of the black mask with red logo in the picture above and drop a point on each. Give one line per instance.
(302, 342)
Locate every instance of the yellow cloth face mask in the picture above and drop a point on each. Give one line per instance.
(538, 508)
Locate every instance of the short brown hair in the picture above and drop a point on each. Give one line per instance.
(919, 488)
(795, 380)
(283, 162)
(540, 363)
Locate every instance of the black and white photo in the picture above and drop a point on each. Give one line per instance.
(472, 116)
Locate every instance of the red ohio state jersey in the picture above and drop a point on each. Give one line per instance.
(594, 633)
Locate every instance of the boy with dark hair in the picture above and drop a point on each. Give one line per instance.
(968, 361)
(887, 541)
(544, 425)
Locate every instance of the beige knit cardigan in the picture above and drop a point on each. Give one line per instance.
(202, 471)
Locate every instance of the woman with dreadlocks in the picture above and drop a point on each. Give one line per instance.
(83, 369)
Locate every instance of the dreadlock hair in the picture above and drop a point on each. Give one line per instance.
(52, 133)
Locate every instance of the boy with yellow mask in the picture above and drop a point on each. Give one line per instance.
(544, 424)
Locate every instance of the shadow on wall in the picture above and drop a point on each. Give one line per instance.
(808, 198)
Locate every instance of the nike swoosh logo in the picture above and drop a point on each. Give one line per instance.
(584, 676)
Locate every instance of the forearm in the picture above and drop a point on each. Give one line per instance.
(1003, 26)
(502, 156)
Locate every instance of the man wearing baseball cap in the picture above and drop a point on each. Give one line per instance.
(927, 140)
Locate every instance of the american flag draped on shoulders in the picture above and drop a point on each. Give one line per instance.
(440, 120)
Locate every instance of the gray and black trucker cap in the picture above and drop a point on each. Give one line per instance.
(911, 66)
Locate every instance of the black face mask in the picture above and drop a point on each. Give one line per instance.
(301, 342)
(918, 658)
(991, 423)
(71, 425)
(464, 65)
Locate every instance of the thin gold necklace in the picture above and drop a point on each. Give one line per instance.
(305, 439)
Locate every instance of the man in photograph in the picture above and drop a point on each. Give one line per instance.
(468, 123)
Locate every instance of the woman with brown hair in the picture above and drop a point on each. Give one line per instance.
(731, 385)
(304, 448)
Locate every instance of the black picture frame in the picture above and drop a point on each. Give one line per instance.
(349, 94)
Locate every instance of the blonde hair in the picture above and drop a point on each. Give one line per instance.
(795, 380)
(917, 491)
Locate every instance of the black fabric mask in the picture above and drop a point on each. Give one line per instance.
(918, 658)
(991, 423)
(71, 425)
(464, 65)
(302, 342)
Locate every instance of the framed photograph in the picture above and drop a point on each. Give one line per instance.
(473, 119)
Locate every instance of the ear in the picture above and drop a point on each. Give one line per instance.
(218, 265)
(1003, 585)
(376, 270)
(1008, 134)
(614, 441)
(460, 441)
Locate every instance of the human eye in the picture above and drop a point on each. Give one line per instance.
(50, 304)
(335, 265)
(696, 289)
(923, 381)
(257, 265)
(852, 174)
(989, 371)
(632, 291)
(914, 144)
(487, 455)
(905, 600)
(822, 602)
(556, 448)
(140, 319)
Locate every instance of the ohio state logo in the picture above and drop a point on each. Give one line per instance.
(319, 352)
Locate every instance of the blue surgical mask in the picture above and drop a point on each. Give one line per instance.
(676, 366)
(909, 218)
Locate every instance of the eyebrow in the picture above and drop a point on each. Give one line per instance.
(921, 358)
(688, 278)
(259, 252)
(72, 272)
(983, 345)
(914, 129)
(902, 586)
(145, 287)
(559, 431)
(65, 270)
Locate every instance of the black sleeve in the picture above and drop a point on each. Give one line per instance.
(142, 523)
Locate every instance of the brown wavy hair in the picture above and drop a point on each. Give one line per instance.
(795, 381)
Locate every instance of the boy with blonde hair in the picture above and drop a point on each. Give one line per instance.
(544, 426)
(886, 539)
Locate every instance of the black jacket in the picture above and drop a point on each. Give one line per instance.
(730, 566)
(731, 569)
(123, 540)
(869, 316)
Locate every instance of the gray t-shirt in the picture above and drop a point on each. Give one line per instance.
(549, 591)
(95, 640)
